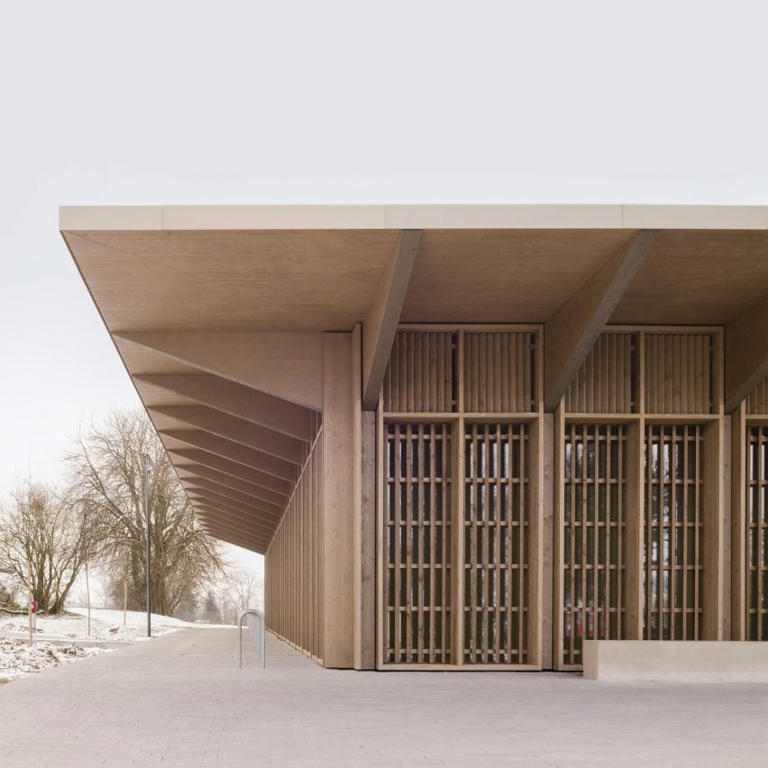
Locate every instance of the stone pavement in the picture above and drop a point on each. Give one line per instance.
(181, 701)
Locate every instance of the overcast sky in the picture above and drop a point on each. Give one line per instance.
(330, 102)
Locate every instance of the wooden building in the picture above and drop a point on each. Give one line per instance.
(464, 437)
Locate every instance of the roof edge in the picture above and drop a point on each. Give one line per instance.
(496, 216)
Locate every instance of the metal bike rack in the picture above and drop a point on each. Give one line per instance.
(260, 645)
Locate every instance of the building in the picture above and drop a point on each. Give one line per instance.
(465, 437)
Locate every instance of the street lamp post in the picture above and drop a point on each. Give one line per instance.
(147, 518)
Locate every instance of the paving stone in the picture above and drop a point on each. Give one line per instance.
(181, 701)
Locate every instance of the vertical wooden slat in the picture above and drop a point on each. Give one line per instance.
(711, 437)
(410, 463)
(496, 561)
(684, 530)
(450, 533)
(757, 400)
(572, 593)
(419, 536)
(758, 493)
(470, 641)
(559, 597)
(432, 561)
(521, 561)
(459, 536)
(483, 571)
(697, 552)
(293, 600)
(441, 368)
(397, 545)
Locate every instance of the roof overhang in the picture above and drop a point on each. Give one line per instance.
(218, 311)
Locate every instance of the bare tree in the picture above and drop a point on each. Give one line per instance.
(107, 470)
(46, 538)
(240, 589)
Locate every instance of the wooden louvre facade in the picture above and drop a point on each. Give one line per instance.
(465, 438)
(639, 479)
(293, 562)
(749, 507)
(638, 468)
(460, 525)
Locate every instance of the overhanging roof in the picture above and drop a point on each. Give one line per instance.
(200, 298)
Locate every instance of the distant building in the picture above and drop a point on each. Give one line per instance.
(463, 436)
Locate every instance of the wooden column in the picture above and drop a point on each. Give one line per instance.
(712, 540)
(364, 477)
(365, 651)
(713, 557)
(341, 454)
(535, 543)
(635, 531)
(548, 615)
(558, 539)
(738, 523)
(457, 533)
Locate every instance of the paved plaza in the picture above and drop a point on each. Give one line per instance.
(181, 701)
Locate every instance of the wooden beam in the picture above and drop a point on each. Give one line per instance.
(247, 524)
(251, 510)
(193, 484)
(574, 327)
(287, 365)
(226, 497)
(746, 354)
(232, 428)
(214, 513)
(244, 517)
(381, 323)
(233, 469)
(211, 520)
(228, 449)
(206, 476)
(234, 535)
(238, 400)
(259, 548)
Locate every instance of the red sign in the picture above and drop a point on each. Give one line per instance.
(33, 606)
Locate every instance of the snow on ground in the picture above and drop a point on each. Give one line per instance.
(106, 625)
(17, 658)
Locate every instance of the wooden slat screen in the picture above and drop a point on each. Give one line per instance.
(294, 566)
(673, 529)
(678, 373)
(757, 401)
(417, 544)
(605, 382)
(757, 533)
(593, 533)
(499, 372)
(495, 544)
(421, 377)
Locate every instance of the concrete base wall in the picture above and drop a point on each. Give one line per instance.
(675, 661)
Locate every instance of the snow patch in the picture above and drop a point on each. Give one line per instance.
(18, 659)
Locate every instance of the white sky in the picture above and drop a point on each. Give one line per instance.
(344, 102)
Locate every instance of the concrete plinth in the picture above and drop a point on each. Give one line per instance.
(676, 661)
